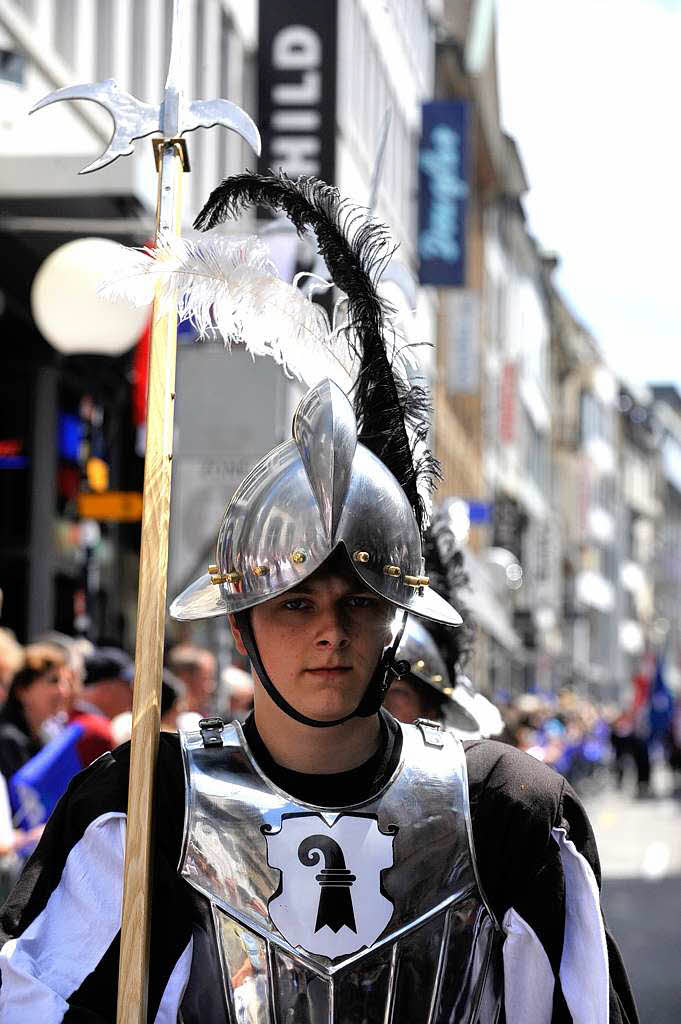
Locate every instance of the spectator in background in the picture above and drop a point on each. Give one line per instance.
(197, 669)
(104, 693)
(11, 660)
(237, 694)
(173, 706)
(38, 692)
(173, 701)
(75, 650)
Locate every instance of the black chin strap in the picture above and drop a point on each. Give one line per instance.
(386, 671)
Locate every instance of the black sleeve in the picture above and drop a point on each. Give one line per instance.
(99, 789)
(515, 803)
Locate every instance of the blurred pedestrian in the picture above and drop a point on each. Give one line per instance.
(105, 692)
(237, 690)
(197, 669)
(11, 660)
(173, 706)
(37, 693)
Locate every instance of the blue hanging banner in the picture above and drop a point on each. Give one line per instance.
(443, 193)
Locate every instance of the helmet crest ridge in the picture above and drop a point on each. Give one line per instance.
(325, 433)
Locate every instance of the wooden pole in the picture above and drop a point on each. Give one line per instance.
(151, 611)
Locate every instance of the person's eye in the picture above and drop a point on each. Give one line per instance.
(296, 604)
(362, 601)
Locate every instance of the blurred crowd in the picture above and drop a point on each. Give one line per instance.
(64, 702)
(590, 743)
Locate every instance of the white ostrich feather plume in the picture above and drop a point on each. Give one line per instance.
(230, 288)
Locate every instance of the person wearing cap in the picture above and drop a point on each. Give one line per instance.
(106, 692)
(174, 714)
(334, 865)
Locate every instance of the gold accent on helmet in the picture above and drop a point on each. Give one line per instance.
(298, 557)
(212, 569)
(392, 570)
(233, 577)
(437, 678)
(218, 577)
(261, 570)
(416, 581)
(361, 556)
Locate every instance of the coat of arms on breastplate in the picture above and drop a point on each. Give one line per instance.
(330, 898)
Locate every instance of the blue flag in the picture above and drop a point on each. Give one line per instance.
(35, 789)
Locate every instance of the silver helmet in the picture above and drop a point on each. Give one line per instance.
(307, 497)
(353, 478)
(418, 649)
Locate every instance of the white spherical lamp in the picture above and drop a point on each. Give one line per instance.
(68, 309)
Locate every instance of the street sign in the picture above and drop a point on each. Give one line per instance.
(111, 506)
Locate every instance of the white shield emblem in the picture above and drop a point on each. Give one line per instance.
(329, 899)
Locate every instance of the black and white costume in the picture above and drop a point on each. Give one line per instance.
(347, 487)
(534, 847)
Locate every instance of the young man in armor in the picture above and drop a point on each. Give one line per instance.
(333, 865)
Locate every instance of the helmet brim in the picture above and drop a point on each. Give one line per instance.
(203, 599)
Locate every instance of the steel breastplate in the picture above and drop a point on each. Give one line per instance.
(353, 915)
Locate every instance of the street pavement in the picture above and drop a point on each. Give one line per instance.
(639, 841)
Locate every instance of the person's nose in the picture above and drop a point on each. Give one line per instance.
(333, 630)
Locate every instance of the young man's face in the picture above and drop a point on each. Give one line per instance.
(321, 642)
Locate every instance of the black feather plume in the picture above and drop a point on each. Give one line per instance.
(355, 250)
(448, 576)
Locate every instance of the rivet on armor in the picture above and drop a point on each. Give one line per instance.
(413, 581)
(424, 581)
(448, 691)
(298, 557)
(261, 570)
(392, 570)
(212, 569)
(436, 678)
(218, 577)
(361, 556)
(418, 665)
(233, 577)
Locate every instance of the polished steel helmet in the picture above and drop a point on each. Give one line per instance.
(418, 649)
(306, 498)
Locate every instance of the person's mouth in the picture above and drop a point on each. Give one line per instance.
(329, 670)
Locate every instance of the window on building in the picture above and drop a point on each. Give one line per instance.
(12, 67)
(595, 419)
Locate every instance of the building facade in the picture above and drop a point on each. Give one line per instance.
(55, 569)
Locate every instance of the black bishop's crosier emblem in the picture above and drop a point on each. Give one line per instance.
(335, 881)
(341, 907)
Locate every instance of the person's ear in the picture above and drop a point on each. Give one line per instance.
(236, 634)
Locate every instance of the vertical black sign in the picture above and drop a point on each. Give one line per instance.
(297, 87)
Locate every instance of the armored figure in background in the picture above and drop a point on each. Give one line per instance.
(435, 686)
